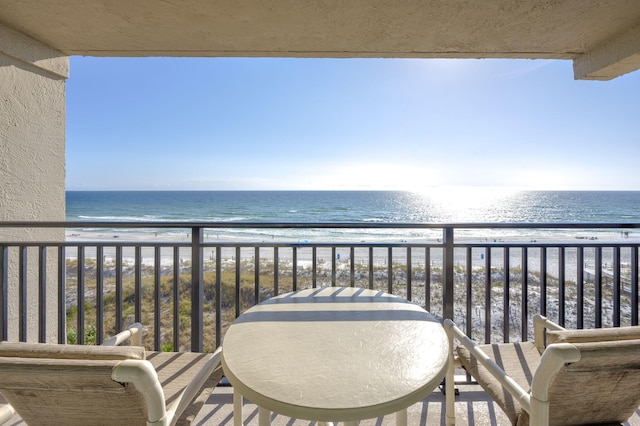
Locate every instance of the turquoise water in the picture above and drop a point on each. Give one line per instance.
(354, 206)
(442, 206)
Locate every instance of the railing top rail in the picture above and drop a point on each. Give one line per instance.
(325, 225)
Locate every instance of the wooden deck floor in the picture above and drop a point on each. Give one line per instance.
(473, 407)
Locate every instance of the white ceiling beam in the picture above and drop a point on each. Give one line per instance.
(611, 59)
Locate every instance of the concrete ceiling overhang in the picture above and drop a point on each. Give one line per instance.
(602, 37)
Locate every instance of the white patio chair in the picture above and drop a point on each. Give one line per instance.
(579, 376)
(106, 385)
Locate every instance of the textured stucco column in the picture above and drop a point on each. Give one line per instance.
(32, 164)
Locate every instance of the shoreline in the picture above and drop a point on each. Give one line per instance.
(341, 236)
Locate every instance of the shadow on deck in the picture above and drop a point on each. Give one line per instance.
(473, 408)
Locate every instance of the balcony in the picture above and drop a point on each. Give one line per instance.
(186, 284)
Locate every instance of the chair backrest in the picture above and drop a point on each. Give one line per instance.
(69, 384)
(593, 335)
(602, 387)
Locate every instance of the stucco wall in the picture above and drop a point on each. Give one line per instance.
(32, 160)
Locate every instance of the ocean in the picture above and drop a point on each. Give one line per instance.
(438, 206)
(360, 207)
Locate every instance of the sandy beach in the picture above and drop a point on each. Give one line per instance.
(161, 249)
(361, 255)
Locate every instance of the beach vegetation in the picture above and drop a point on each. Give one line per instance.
(89, 335)
(238, 291)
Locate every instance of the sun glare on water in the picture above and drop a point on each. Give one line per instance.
(466, 204)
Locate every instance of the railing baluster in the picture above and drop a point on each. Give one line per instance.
(390, 271)
(176, 299)
(487, 295)
(80, 298)
(634, 286)
(469, 290)
(256, 279)
(333, 266)
(447, 273)
(314, 267)
(427, 273)
(294, 267)
(157, 308)
(598, 288)
(42, 294)
(352, 266)
(409, 272)
(237, 301)
(138, 284)
(218, 294)
(616, 286)
(99, 294)
(371, 268)
(561, 286)
(506, 310)
(197, 290)
(22, 293)
(524, 314)
(119, 297)
(543, 280)
(62, 295)
(580, 287)
(276, 271)
(4, 292)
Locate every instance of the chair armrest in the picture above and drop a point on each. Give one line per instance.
(213, 363)
(144, 377)
(540, 324)
(133, 333)
(6, 413)
(553, 359)
(523, 396)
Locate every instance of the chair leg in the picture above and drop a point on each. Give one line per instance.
(450, 394)
(539, 414)
(443, 387)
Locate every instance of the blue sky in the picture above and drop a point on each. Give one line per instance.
(406, 124)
